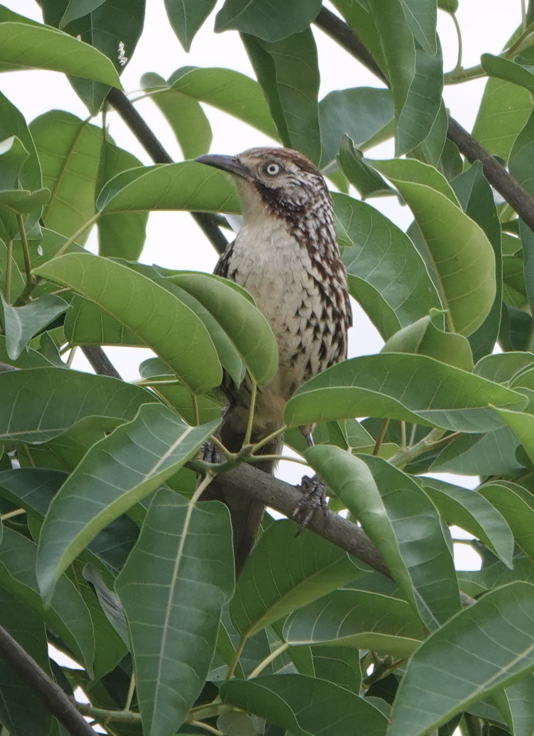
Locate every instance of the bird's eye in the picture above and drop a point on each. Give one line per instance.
(272, 169)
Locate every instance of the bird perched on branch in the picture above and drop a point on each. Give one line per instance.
(286, 255)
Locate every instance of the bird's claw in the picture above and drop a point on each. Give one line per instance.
(313, 498)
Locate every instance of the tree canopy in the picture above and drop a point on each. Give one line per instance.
(359, 624)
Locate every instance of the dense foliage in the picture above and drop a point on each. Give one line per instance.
(105, 551)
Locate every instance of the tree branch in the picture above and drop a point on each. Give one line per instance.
(510, 189)
(99, 361)
(43, 686)
(118, 100)
(284, 498)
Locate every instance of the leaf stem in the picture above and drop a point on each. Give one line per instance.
(277, 458)
(380, 438)
(458, 66)
(230, 456)
(204, 483)
(267, 661)
(30, 278)
(195, 409)
(207, 727)
(236, 657)
(9, 266)
(410, 453)
(72, 353)
(131, 691)
(64, 248)
(103, 716)
(251, 410)
(11, 514)
(268, 439)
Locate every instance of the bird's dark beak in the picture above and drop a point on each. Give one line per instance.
(226, 163)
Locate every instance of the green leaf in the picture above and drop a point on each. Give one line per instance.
(522, 425)
(173, 620)
(365, 179)
(397, 57)
(449, 6)
(476, 197)
(112, 28)
(187, 17)
(519, 712)
(425, 337)
(386, 273)
(496, 66)
(156, 316)
(116, 473)
(25, 46)
(422, 543)
(504, 110)
(284, 572)
(12, 123)
(12, 158)
(305, 705)
(423, 103)
(347, 476)
(34, 488)
(21, 202)
(514, 503)
(67, 613)
(245, 325)
(413, 388)
(471, 511)
(122, 236)
(461, 253)
(272, 22)
(362, 113)
(359, 619)
(30, 411)
(502, 367)
(421, 16)
(484, 647)
(185, 186)
(185, 115)
(229, 91)
(493, 453)
(22, 323)
(69, 150)
(28, 359)
(288, 72)
(77, 9)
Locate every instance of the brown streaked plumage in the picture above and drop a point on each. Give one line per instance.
(286, 255)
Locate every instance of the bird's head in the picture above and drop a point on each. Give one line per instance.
(280, 181)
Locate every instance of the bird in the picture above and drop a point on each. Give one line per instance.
(286, 255)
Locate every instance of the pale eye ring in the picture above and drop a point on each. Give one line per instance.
(272, 169)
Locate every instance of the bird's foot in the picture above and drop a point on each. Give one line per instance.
(313, 498)
(209, 453)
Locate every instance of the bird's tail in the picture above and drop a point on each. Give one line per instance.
(245, 512)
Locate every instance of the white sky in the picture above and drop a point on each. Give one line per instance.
(173, 240)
